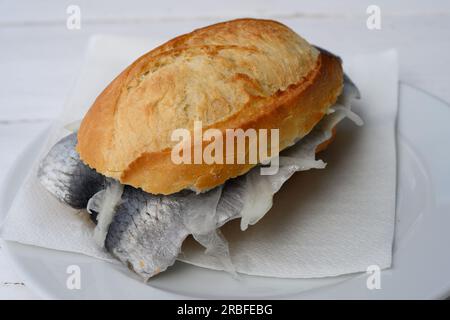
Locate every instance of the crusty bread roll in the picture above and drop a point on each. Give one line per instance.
(244, 73)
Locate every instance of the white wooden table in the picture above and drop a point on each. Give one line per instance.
(40, 57)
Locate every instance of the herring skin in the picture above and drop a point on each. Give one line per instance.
(64, 175)
(147, 230)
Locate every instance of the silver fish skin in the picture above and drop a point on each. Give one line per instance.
(148, 230)
(64, 175)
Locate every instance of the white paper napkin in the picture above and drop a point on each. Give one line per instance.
(324, 222)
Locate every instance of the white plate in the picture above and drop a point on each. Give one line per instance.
(421, 263)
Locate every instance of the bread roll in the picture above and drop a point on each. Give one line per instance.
(245, 73)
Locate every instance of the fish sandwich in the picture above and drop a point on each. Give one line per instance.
(245, 74)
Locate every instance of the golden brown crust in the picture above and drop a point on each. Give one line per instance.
(244, 74)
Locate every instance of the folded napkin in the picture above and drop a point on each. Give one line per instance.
(323, 223)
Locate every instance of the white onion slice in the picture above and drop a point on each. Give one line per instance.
(104, 203)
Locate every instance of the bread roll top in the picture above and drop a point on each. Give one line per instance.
(244, 73)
